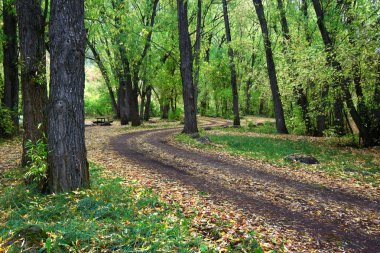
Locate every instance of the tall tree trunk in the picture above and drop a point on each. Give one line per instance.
(147, 103)
(33, 71)
(10, 60)
(235, 97)
(186, 69)
(278, 110)
(142, 101)
(197, 52)
(342, 82)
(284, 22)
(105, 75)
(128, 109)
(67, 156)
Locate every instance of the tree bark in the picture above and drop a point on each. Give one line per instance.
(186, 69)
(278, 110)
(147, 103)
(10, 61)
(67, 156)
(33, 71)
(235, 96)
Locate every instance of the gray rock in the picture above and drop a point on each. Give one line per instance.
(225, 126)
(204, 140)
(302, 158)
(207, 128)
(259, 124)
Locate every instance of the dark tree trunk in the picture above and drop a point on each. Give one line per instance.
(342, 82)
(10, 60)
(197, 52)
(165, 110)
(147, 103)
(302, 102)
(261, 107)
(306, 21)
(105, 75)
(186, 69)
(284, 22)
(235, 97)
(123, 105)
(67, 156)
(33, 71)
(339, 116)
(278, 110)
(142, 100)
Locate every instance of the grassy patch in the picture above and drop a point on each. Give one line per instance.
(112, 216)
(340, 161)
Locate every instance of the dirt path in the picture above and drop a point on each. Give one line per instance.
(336, 219)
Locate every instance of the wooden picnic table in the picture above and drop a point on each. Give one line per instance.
(102, 121)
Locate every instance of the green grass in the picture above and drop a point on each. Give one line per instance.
(335, 160)
(112, 216)
(107, 216)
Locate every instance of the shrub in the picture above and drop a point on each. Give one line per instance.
(37, 153)
(7, 128)
(176, 115)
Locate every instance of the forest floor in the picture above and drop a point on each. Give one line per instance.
(230, 197)
(291, 209)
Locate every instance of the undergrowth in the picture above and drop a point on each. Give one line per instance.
(112, 216)
(337, 161)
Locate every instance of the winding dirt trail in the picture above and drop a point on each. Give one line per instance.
(338, 220)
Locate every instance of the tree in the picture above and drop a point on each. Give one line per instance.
(278, 110)
(235, 98)
(186, 69)
(31, 22)
(67, 158)
(340, 79)
(10, 60)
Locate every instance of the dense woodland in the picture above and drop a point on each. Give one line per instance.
(278, 103)
(312, 65)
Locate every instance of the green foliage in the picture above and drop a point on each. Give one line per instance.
(37, 154)
(7, 128)
(335, 160)
(176, 115)
(111, 216)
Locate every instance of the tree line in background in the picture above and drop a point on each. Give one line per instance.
(321, 59)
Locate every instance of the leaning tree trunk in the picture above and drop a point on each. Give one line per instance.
(364, 132)
(235, 97)
(33, 71)
(11, 82)
(67, 156)
(278, 110)
(106, 78)
(186, 69)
